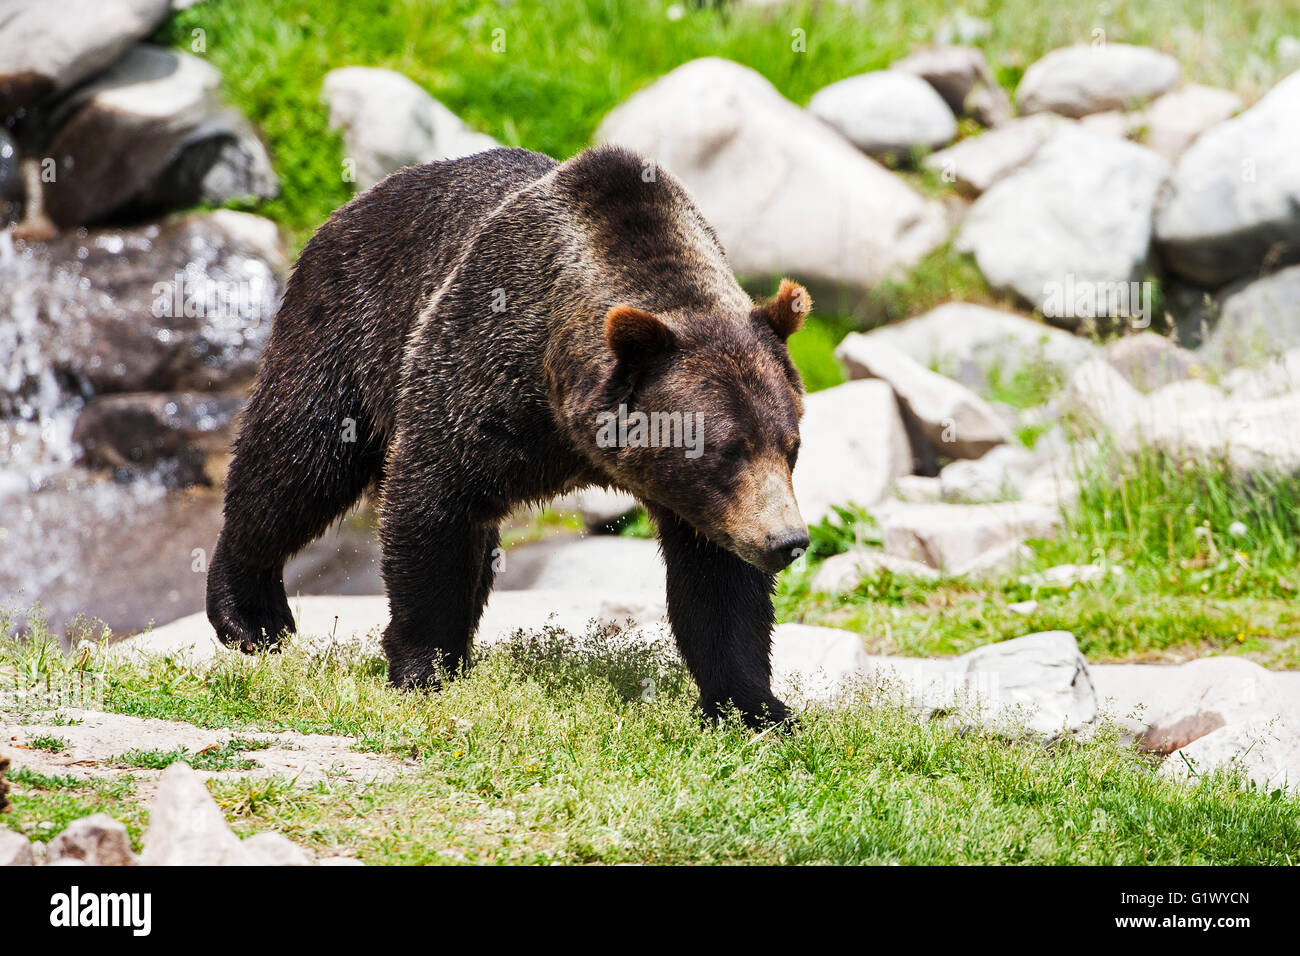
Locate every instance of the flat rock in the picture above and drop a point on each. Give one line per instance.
(977, 162)
(48, 48)
(886, 113)
(388, 122)
(816, 664)
(1233, 201)
(786, 193)
(96, 840)
(956, 421)
(998, 475)
(961, 75)
(951, 537)
(967, 342)
(843, 572)
(1275, 377)
(1043, 677)
(1070, 231)
(1268, 755)
(275, 849)
(15, 849)
(1203, 695)
(592, 564)
(1078, 80)
(150, 134)
(1149, 361)
(854, 446)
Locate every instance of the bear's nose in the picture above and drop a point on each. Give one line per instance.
(784, 547)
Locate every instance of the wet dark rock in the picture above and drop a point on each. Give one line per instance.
(164, 435)
(151, 134)
(11, 181)
(184, 305)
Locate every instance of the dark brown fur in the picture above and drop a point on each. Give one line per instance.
(472, 319)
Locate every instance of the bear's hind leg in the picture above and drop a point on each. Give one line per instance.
(720, 608)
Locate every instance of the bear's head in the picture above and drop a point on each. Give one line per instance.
(701, 416)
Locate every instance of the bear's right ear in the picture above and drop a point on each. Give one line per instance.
(634, 335)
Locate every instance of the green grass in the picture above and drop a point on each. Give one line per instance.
(551, 750)
(225, 756)
(47, 742)
(43, 805)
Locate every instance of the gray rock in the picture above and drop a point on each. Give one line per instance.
(816, 664)
(918, 488)
(961, 75)
(1233, 202)
(97, 840)
(184, 305)
(1210, 693)
(1041, 676)
(976, 163)
(786, 193)
(886, 113)
(1149, 361)
(952, 537)
(1101, 398)
(854, 447)
(168, 435)
(584, 564)
(1174, 120)
(187, 828)
(843, 572)
(998, 475)
(1275, 377)
(1257, 320)
(388, 122)
(1267, 755)
(150, 133)
(48, 48)
(274, 849)
(15, 849)
(1070, 231)
(956, 421)
(1078, 80)
(597, 507)
(967, 342)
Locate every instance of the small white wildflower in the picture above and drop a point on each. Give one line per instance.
(676, 12)
(1237, 529)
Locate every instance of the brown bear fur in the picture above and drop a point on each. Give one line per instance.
(466, 323)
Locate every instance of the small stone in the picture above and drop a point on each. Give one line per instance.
(15, 849)
(97, 840)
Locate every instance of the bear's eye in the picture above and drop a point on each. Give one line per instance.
(792, 455)
(734, 451)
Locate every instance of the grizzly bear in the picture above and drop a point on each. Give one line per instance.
(453, 338)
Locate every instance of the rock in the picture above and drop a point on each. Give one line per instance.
(1233, 202)
(187, 828)
(184, 305)
(785, 193)
(15, 849)
(1256, 320)
(966, 342)
(918, 488)
(274, 849)
(338, 861)
(843, 572)
(997, 561)
(1078, 80)
(169, 434)
(1210, 693)
(854, 447)
(816, 664)
(976, 163)
(1268, 755)
(150, 134)
(886, 113)
(952, 537)
(1192, 420)
(1042, 676)
(388, 122)
(1149, 361)
(1102, 398)
(955, 420)
(584, 564)
(598, 507)
(46, 49)
(1070, 231)
(961, 75)
(998, 475)
(97, 840)
(1276, 377)
(1174, 120)
(12, 190)
(1065, 576)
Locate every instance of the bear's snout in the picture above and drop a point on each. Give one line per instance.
(783, 548)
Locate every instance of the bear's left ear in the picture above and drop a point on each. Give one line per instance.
(786, 312)
(634, 335)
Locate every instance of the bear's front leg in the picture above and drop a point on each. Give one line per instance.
(438, 570)
(720, 608)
